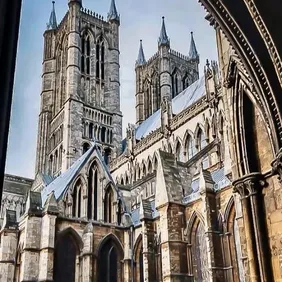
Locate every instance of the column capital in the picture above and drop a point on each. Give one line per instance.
(277, 165)
(249, 184)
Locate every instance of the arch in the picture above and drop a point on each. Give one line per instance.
(207, 130)
(149, 166)
(67, 249)
(109, 205)
(195, 216)
(109, 265)
(190, 147)
(178, 149)
(138, 258)
(85, 147)
(78, 192)
(93, 187)
(100, 57)
(175, 82)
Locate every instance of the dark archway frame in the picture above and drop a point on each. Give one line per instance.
(244, 30)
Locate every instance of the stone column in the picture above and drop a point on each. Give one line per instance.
(8, 247)
(87, 254)
(128, 249)
(46, 260)
(249, 188)
(173, 248)
(148, 250)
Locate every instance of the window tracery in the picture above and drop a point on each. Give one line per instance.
(92, 205)
(191, 147)
(100, 59)
(109, 205)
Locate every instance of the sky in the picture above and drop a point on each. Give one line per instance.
(139, 20)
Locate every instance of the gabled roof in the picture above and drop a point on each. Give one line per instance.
(62, 182)
(179, 103)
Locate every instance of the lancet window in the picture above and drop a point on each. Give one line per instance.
(100, 59)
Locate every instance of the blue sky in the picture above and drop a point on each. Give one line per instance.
(139, 20)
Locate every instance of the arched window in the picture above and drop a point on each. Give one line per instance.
(150, 168)
(234, 259)
(199, 253)
(174, 83)
(119, 212)
(191, 148)
(185, 81)
(86, 147)
(100, 59)
(91, 127)
(156, 93)
(103, 134)
(92, 204)
(201, 140)
(56, 161)
(66, 253)
(77, 199)
(109, 205)
(60, 156)
(179, 152)
(109, 263)
(85, 54)
(51, 165)
(158, 255)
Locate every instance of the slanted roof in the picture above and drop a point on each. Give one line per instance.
(179, 103)
(61, 183)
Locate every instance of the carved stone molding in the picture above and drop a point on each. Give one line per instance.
(249, 185)
(277, 165)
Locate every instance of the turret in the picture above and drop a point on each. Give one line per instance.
(52, 24)
(113, 14)
(165, 75)
(141, 57)
(193, 53)
(163, 39)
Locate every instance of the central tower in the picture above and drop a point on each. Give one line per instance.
(80, 99)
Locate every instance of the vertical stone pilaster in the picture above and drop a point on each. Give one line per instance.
(165, 75)
(8, 247)
(249, 187)
(87, 254)
(173, 248)
(31, 248)
(148, 250)
(46, 260)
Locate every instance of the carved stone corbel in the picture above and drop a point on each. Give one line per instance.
(277, 165)
(249, 185)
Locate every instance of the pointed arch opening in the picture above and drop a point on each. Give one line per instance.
(66, 254)
(93, 182)
(179, 152)
(139, 266)
(77, 199)
(100, 58)
(191, 147)
(109, 265)
(109, 205)
(198, 253)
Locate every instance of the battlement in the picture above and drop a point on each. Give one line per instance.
(156, 55)
(179, 55)
(93, 14)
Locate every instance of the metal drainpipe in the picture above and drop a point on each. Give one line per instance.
(132, 255)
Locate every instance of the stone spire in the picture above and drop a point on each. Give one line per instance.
(193, 53)
(53, 20)
(113, 14)
(163, 39)
(141, 57)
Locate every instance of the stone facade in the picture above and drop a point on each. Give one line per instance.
(191, 193)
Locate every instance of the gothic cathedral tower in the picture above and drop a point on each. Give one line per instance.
(164, 75)
(80, 98)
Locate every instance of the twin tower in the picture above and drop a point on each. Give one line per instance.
(80, 98)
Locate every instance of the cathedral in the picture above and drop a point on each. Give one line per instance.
(190, 194)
